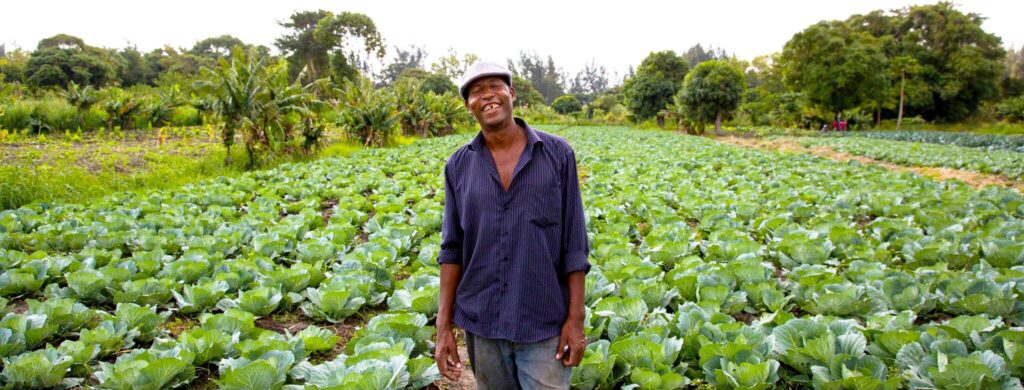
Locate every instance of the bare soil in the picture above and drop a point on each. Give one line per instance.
(290, 326)
(787, 145)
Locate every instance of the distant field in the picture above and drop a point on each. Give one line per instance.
(999, 158)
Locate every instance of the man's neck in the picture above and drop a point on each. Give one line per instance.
(505, 137)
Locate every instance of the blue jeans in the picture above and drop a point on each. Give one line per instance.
(502, 364)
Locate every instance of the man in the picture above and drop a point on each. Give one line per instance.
(513, 247)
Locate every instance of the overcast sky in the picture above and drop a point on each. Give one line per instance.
(615, 35)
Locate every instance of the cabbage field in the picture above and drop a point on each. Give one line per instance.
(973, 140)
(996, 158)
(713, 264)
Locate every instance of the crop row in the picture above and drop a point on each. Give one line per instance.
(987, 141)
(1013, 143)
(997, 162)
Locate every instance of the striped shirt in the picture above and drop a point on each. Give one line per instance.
(516, 247)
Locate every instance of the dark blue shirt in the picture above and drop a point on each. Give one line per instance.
(516, 247)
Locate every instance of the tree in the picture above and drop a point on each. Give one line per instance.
(170, 60)
(526, 94)
(543, 75)
(404, 60)
(767, 100)
(82, 98)
(452, 65)
(368, 115)
(697, 54)
(835, 66)
(62, 41)
(64, 58)
(132, 67)
(439, 84)
(252, 93)
(657, 80)
(711, 92)
(216, 47)
(318, 36)
(903, 67)
(592, 79)
(12, 66)
(567, 104)
(960, 61)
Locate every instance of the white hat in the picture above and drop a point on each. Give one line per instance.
(482, 69)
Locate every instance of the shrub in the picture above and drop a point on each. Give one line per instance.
(567, 104)
(368, 116)
(40, 115)
(539, 113)
(95, 118)
(439, 84)
(1011, 109)
(17, 115)
(185, 116)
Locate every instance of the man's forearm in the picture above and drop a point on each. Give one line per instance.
(450, 275)
(577, 295)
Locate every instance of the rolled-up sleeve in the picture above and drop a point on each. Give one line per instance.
(576, 249)
(451, 231)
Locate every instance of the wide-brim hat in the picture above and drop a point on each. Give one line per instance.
(481, 69)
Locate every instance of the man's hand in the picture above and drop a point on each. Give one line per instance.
(573, 342)
(574, 339)
(446, 354)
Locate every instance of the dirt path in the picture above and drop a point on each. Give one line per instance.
(788, 145)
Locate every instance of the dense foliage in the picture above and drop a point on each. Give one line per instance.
(935, 57)
(567, 104)
(835, 66)
(252, 94)
(657, 80)
(711, 93)
(932, 64)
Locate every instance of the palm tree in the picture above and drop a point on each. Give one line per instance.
(367, 115)
(162, 106)
(83, 98)
(254, 96)
(121, 106)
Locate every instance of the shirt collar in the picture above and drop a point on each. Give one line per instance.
(531, 136)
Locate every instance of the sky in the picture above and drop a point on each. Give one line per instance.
(613, 34)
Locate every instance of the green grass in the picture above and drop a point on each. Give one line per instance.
(66, 180)
(57, 170)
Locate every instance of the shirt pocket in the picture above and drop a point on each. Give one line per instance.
(545, 208)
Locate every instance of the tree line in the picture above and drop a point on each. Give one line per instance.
(930, 63)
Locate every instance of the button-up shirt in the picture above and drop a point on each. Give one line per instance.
(516, 247)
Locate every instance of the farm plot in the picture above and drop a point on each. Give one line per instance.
(1002, 162)
(1014, 143)
(714, 264)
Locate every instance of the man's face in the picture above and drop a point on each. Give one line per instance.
(490, 101)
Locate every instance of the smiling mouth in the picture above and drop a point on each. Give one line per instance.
(490, 107)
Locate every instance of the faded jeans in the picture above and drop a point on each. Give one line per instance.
(502, 364)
